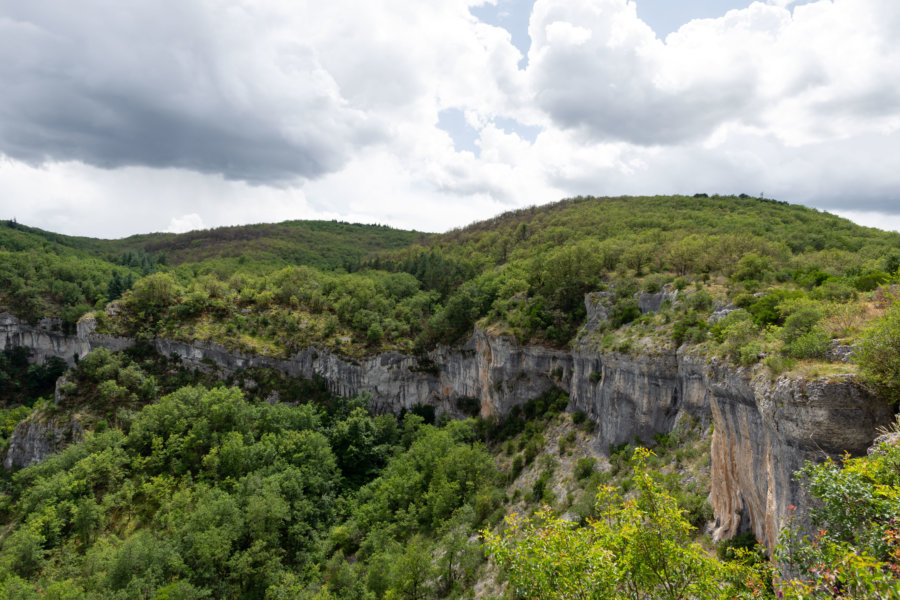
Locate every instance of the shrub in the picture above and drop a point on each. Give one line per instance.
(624, 311)
(869, 281)
(690, 329)
(584, 468)
(700, 301)
(835, 291)
(878, 354)
(814, 344)
(749, 353)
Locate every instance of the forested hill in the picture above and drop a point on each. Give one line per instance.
(657, 220)
(50, 274)
(322, 244)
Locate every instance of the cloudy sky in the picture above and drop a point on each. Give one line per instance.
(119, 117)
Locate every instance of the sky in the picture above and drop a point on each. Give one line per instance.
(119, 118)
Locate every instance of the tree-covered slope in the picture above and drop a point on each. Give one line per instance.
(48, 274)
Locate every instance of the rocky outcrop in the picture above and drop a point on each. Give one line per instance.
(763, 431)
(766, 430)
(39, 436)
(653, 302)
(45, 339)
(636, 396)
(496, 370)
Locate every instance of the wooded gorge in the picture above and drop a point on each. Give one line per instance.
(180, 478)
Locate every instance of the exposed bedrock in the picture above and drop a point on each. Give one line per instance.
(766, 430)
(763, 431)
(45, 339)
(39, 436)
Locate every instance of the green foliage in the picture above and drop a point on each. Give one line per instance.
(802, 335)
(691, 328)
(21, 383)
(274, 289)
(585, 467)
(878, 354)
(765, 310)
(624, 311)
(637, 548)
(855, 548)
(734, 331)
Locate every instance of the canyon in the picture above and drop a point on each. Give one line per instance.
(762, 429)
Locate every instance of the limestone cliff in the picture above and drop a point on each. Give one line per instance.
(763, 430)
(39, 436)
(45, 339)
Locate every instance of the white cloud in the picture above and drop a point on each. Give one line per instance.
(188, 222)
(826, 71)
(155, 116)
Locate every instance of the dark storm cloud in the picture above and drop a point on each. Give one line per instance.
(165, 85)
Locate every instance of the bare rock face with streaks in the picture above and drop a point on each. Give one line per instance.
(39, 436)
(44, 339)
(766, 430)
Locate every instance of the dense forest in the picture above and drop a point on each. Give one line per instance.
(188, 484)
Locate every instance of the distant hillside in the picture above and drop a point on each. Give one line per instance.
(321, 244)
(659, 219)
(49, 274)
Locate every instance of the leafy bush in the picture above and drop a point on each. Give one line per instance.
(638, 548)
(878, 354)
(624, 311)
(700, 301)
(691, 328)
(585, 467)
(856, 547)
(749, 353)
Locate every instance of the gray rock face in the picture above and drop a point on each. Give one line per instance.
(766, 430)
(39, 436)
(653, 302)
(763, 431)
(597, 305)
(496, 370)
(44, 340)
(839, 352)
(633, 396)
(720, 313)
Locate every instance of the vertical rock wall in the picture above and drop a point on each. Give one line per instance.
(763, 431)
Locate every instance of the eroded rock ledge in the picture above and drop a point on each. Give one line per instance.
(763, 431)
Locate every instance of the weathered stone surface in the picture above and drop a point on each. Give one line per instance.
(763, 431)
(496, 370)
(885, 439)
(597, 305)
(653, 302)
(839, 352)
(39, 436)
(631, 396)
(43, 339)
(720, 313)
